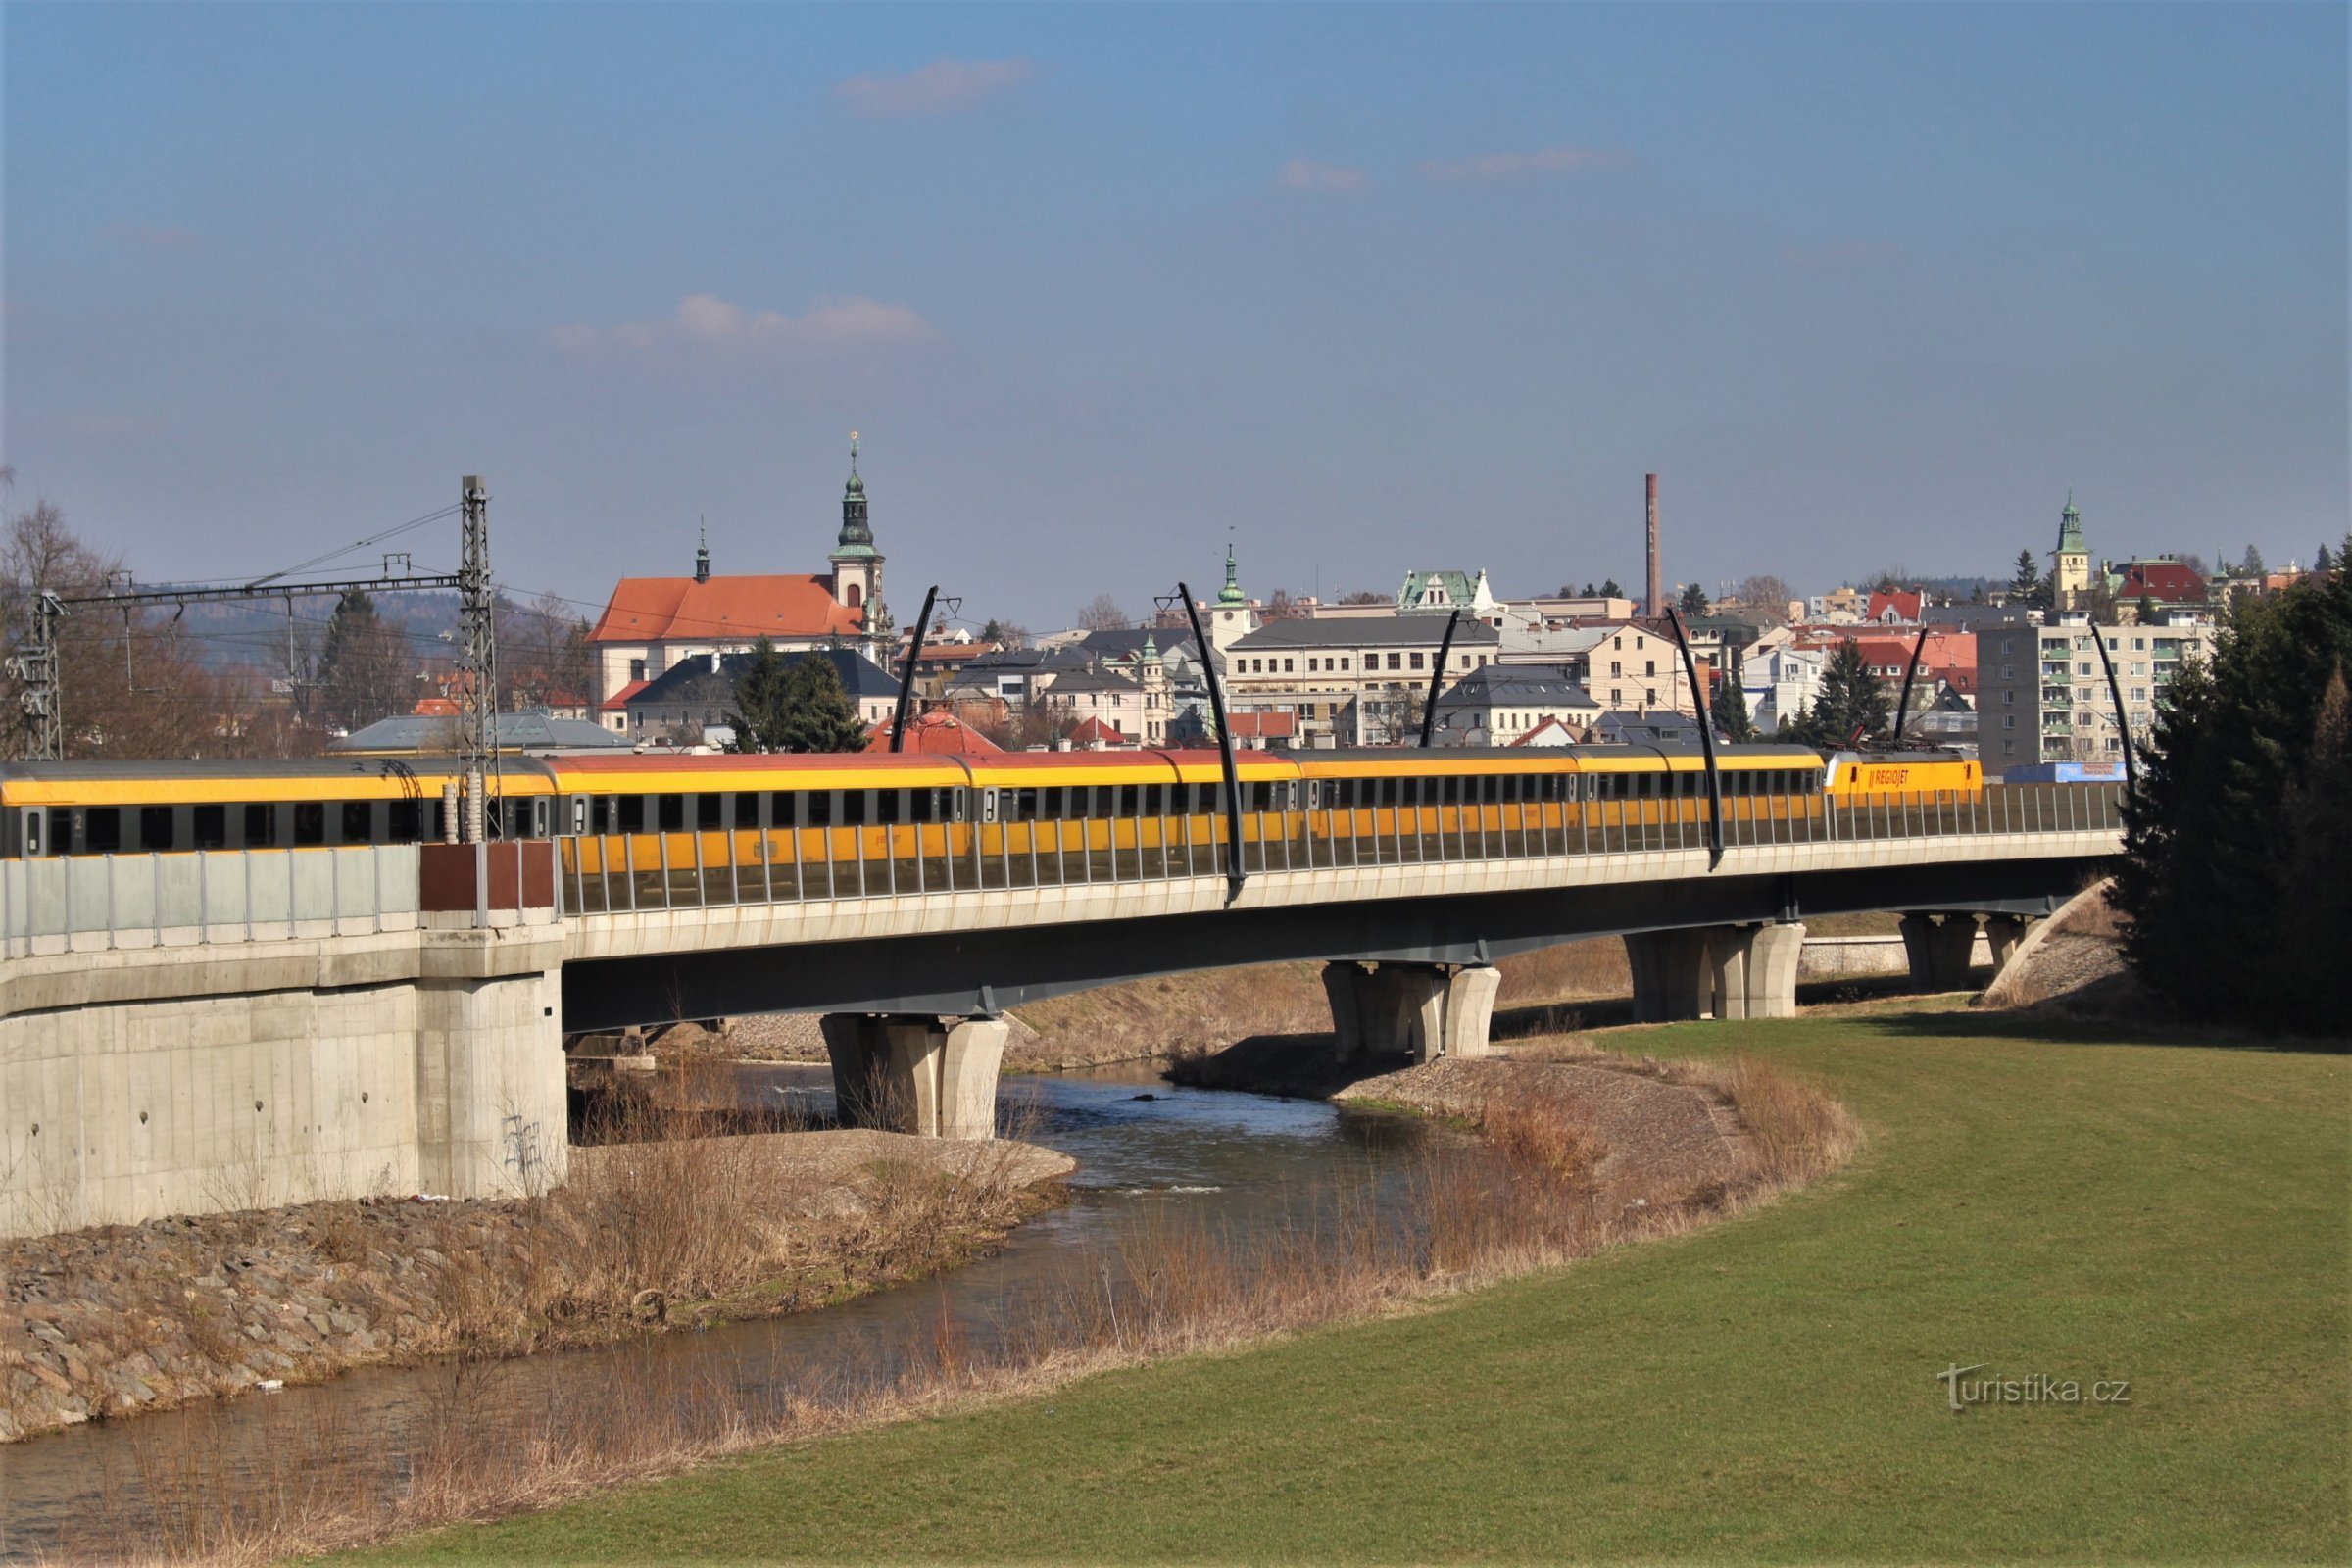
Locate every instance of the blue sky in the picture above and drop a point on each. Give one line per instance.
(1365, 288)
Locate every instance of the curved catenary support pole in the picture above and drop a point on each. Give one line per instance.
(1235, 872)
(1902, 704)
(2123, 721)
(914, 653)
(1437, 679)
(1706, 742)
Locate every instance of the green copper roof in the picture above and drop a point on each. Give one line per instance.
(1231, 593)
(856, 535)
(2070, 529)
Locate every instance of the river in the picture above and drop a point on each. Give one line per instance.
(1143, 1148)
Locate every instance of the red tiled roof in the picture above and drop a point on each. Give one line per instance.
(434, 708)
(620, 700)
(1905, 602)
(1948, 657)
(1550, 723)
(655, 609)
(2166, 580)
(1094, 732)
(938, 734)
(1264, 723)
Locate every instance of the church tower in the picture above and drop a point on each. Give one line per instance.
(2070, 563)
(858, 566)
(1232, 619)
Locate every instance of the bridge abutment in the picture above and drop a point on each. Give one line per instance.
(2002, 934)
(1420, 1010)
(913, 1073)
(1722, 971)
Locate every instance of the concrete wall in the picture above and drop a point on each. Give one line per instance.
(1840, 957)
(179, 1080)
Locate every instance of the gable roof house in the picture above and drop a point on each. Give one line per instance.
(698, 694)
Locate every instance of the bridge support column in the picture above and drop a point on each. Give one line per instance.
(2002, 934)
(911, 1073)
(1724, 971)
(1939, 947)
(1421, 1010)
(1673, 978)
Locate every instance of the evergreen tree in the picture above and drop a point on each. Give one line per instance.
(1611, 590)
(2323, 562)
(1850, 707)
(760, 701)
(1590, 591)
(1694, 600)
(363, 667)
(2025, 585)
(816, 714)
(2254, 567)
(2239, 830)
(1732, 720)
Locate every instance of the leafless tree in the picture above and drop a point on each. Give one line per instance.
(1365, 596)
(1764, 592)
(1103, 613)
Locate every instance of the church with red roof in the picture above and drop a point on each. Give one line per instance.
(652, 623)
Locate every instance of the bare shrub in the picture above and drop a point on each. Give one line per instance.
(1797, 1130)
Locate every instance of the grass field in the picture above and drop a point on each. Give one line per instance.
(2086, 1207)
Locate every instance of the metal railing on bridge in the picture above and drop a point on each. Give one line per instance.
(624, 873)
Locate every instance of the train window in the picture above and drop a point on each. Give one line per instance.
(102, 830)
(404, 823)
(633, 813)
(155, 827)
(1051, 806)
(261, 826)
(923, 806)
(210, 824)
(746, 810)
(1131, 798)
(817, 809)
(671, 812)
(600, 814)
(710, 812)
(310, 823)
(853, 810)
(886, 805)
(1017, 805)
(1155, 800)
(359, 818)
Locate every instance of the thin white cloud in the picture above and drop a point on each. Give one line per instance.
(1542, 161)
(152, 238)
(707, 324)
(942, 87)
(1304, 173)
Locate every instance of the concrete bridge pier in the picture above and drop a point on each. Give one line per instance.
(1724, 971)
(916, 1073)
(1422, 1010)
(2002, 934)
(1938, 947)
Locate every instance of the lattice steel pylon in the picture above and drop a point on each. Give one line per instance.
(44, 698)
(478, 659)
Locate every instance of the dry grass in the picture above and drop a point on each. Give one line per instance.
(1178, 1014)
(1472, 1209)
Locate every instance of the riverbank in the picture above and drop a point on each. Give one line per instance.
(121, 1320)
(1443, 1213)
(2091, 1201)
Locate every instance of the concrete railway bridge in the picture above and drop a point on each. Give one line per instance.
(221, 1029)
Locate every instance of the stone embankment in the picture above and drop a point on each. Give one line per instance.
(122, 1319)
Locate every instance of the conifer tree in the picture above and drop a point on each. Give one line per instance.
(2238, 831)
(817, 715)
(1850, 707)
(759, 701)
(1730, 713)
(1694, 600)
(2025, 585)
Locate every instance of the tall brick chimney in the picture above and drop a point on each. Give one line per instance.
(1657, 589)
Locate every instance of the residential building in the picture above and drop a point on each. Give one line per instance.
(1317, 669)
(697, 696)
(651, 625)
(1441, 593)
(1894, 606)
(2042, 695)
(1496, 705)
(1620, 729)
(938, 734)
(1625, 664)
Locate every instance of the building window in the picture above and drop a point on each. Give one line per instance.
(2140, 694)
(2008, 698)
(1395, 662)
(636, 669)
(1616, 666)
(1311, 666)
(1649, 666)
(1343, 664)
(1286, 667)
(1416, 659)
(2008, 721)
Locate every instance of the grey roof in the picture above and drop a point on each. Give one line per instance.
(1371, 631)
(692, 681)
(523, 732)
(1528, 685)
(1090, 680)
(1127, 642)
